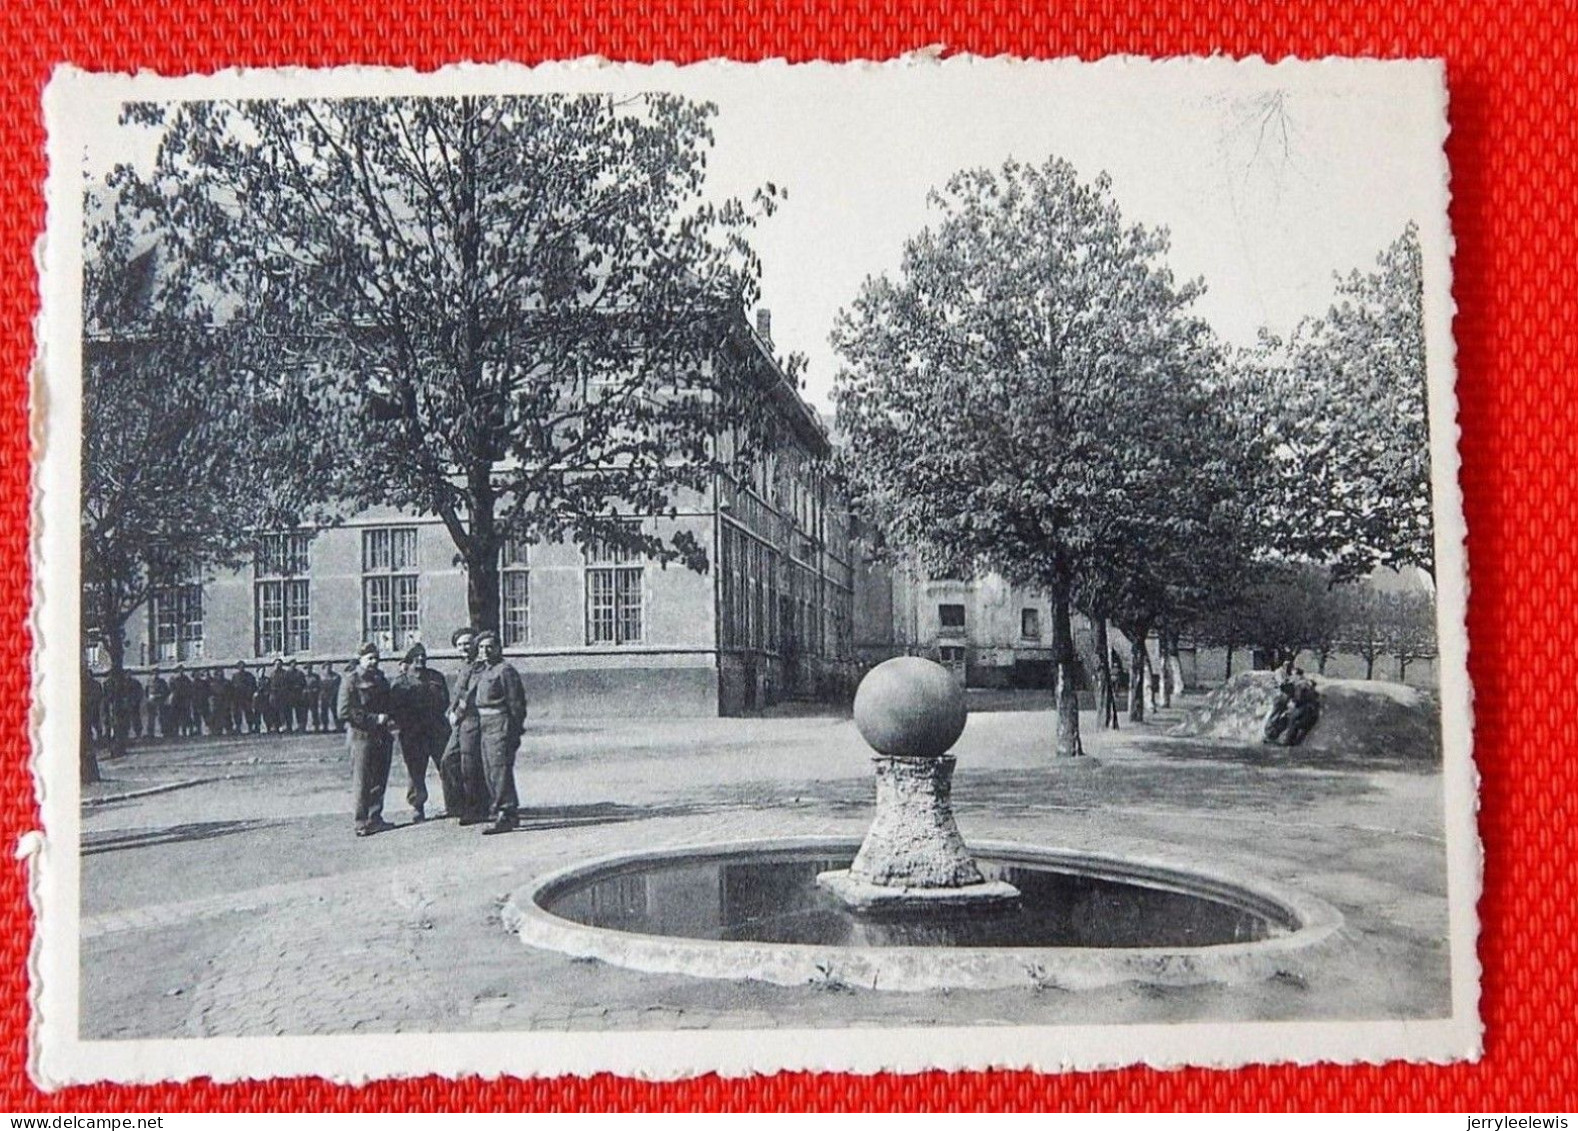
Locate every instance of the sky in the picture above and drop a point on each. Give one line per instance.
(1268, 186)
(1271, 179)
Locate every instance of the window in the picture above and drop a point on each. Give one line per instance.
(284, 555)
(950, 619)
(730, 576)
(614, 605)
(175, 621)
(515, 591)
(391, 612)
(281, 597)
(1030, 624)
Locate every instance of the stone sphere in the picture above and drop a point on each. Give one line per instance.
(910, 708)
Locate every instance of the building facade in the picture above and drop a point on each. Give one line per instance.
(986, 631)
(594, 631)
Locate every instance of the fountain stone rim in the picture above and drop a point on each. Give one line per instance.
(1311, 923)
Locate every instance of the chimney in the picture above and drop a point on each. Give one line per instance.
(764, 324)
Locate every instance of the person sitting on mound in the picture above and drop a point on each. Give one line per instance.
(1295, 711)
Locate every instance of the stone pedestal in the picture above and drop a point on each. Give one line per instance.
(914, 857)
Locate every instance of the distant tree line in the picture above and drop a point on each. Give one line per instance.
(1299, 610)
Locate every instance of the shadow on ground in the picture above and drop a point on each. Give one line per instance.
(120, 839)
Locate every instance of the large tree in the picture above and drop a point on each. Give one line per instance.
(506, 309)
(997, 390)
(1344, 405)
(184, 456)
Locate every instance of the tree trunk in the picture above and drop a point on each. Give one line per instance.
(1369, 665)
(1402, 668)
(482, 589)
(1109, 699)
(1139, 663)
(1164, 653)
(487, 405)
(88, 761)
(115, 642)
(1227, 666)
(1066, 700)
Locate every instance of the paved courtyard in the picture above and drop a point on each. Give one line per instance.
(223, 892)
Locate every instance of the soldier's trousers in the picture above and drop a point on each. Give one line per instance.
(499, 741)
(417, 749)
(370, 755)
(460, 769)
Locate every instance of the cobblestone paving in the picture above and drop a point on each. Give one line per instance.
(401, 933)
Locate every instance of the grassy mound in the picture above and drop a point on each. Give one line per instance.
(1358, 717)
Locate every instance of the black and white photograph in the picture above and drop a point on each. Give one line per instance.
(955, 563)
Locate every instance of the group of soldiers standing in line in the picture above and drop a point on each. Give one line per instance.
(471, 735)
(284, 698)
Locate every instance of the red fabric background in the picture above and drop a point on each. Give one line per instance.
(1513, 86)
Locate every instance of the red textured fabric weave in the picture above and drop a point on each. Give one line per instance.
(1513, 86)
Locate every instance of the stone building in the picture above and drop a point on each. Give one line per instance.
(593, 632)
(990, 633)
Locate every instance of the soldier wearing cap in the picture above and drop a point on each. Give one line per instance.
(92, 705)
(130, 699)
(461, 766)
(418, 699)
(158, 703)
(271, 698)
(364, 705)
(311, 699)
(329, 699)
(243, 700)
(181, 717)
(499, 698)
(202, 702)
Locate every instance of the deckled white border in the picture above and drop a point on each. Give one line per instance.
(58, 1057)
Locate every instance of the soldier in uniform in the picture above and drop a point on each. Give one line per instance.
(133, 697)
(311, 699)
(181, 717)
(1305, 712)
(418, 700)
(269, 691)
(331, 698)
(294, 686)
(461, 765)
(158, 704)
(364, 705)
(243, 700)
(92, 705)
(499, 699)
(202, 702)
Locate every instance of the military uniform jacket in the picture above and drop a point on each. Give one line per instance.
(364, 694)
(498, 687)
(291, 683)
(418, 700)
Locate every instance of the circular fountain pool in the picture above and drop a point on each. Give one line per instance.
(754, 911)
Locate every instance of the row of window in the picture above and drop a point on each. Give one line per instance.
(391, 603)
(771, 602)
(950, 622)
